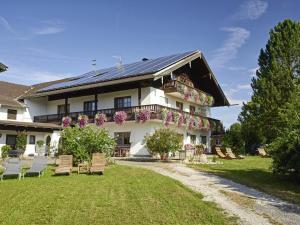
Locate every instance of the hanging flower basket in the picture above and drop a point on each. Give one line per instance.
(186, 93)
(120, 117)
(169, 118)
(191, 123)
(83, 120)
(178, 119)
(202, 98)
(142, 116)
(66, 121)
(210, 100)
(200, 123)
(100, 119)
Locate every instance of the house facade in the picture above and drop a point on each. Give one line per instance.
(175, 91)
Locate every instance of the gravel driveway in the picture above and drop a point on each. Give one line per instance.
(249, 205)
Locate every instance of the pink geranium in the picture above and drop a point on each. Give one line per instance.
(120, 117)
(143, 115)
(66, 121)
(83, 120)
(100, 119)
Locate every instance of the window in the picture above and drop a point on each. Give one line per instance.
(192, 109)
(31, 139)
(203, 140)
(11, 114)
(11, 140)
(61, 109)
(122, 102)
(122, 138)
(179, 105)
(193, 139)
(89, 106)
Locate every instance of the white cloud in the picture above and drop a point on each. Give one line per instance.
(50, 27)
(237, 37)
(253, 71)
(251, 10)
(244, 86)
(29, 76)
(6, 25)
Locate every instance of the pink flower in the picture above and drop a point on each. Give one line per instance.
(169, 118)
(143, 116)
(120, 117)
(66, 121)
(82, 121)
(100, 118)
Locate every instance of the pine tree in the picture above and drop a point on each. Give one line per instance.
(275, 82)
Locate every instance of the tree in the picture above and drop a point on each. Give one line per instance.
(21, 141)
(285, 149)
(163, 141)
(275, 83)
(233, 139)
(82, 142)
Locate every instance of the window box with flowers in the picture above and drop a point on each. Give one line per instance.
(120, 117)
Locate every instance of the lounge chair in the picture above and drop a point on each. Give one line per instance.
(12, 168)
(220, 153)
(262, 152)
(65, 165)
(98, 163)
(231, 155)
(38, 166)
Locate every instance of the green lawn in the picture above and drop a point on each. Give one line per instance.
(124, 195)
(255, 171)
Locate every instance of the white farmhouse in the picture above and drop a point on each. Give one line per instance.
(178, 91)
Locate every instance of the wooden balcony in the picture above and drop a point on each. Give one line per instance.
(188, 93)
(156, 114)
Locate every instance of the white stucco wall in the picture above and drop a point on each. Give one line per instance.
(30, 148)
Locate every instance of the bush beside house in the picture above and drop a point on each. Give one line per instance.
(163, 141)
(82, 142)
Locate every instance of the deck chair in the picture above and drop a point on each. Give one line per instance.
(98, 163)
(262, 152)
(65, 165)
(38, 166)
(12, 168)
(220, 153)
(230, 154)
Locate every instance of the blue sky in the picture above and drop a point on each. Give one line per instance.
(42, 41)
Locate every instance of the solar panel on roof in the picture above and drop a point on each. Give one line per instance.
(127, 70)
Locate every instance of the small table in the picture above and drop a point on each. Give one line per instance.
(83, 168)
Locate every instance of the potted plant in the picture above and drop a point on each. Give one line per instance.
(120, 117)
(39, 145)
(143, 115)
(100, 119)
(178, 119)
(66, 121)
(83, 120)
(4, 151)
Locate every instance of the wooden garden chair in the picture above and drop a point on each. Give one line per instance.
(65, 165)
(231, 155)
(262, 152)
(220, 153)
(98, 163)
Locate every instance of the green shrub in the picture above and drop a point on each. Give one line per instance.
(285, 151)
(40, 143)
(21, 141)
(82, 142)
(163, 141)
(4, 151)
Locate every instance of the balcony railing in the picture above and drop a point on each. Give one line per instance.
(156, 113)
(188, 93)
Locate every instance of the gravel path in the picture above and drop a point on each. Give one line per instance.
(249, 205)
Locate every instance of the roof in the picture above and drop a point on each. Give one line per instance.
(149, 66)
(9, 93)
(29, 124)
(2, 67)
(144, 69)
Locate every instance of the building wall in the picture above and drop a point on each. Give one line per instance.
(30, 148)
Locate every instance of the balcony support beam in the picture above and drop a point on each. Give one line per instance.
(96, 102)
(66, 106)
